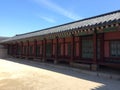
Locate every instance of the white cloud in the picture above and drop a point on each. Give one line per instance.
(58, 9)
(48, 19)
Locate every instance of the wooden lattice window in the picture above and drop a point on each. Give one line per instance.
(48, 49)
(115, 48)
(87, 47)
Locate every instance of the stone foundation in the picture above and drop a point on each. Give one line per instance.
(78, 65)
(94, 67)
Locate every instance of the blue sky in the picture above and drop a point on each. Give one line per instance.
(21, 16)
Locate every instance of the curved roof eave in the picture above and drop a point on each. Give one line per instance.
(108, 17)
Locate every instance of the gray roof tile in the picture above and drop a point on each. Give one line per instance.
(101, 19)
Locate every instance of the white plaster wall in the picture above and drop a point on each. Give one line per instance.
(3, 52)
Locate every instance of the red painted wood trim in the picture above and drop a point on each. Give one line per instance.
(95, 48)
(56, 49)
(27, 48)
(21, 49)
(44, 48)
(8, 49)
(35, 47)
(80, 47)
(52, 47)
(12, 49)
(72, 47)
(102, 47)
(16, 47)
(63, 47)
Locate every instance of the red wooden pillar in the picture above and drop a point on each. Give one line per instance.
(102, 47)
(27, 48)
(80, 47)
(21, 53)
(44, 50)
(11, 49)
(56, 52)
(94, 66)
(8, 49)
(72, 48)
(95, 48)
(52, 48)
(35, 48)
(16, 49)
(64, 47)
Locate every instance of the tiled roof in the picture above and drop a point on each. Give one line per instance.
(3, 38)
(96, 20)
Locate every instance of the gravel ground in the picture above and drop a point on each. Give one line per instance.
(27, 75)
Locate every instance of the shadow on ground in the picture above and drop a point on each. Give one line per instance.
(109, 84)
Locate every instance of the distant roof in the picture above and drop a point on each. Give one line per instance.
(96, 20)
(3, 38)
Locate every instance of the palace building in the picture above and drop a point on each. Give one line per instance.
(93, 41)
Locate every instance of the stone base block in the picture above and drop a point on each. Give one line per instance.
(94, 67)
(78, 65)
(55, 61)
(43, 60)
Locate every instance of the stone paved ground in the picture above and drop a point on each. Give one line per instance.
(27, 75)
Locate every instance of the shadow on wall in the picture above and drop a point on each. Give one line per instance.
(107, 84)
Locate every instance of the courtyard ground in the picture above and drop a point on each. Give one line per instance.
(16, 74)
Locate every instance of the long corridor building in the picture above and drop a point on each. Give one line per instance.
(94, 41)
